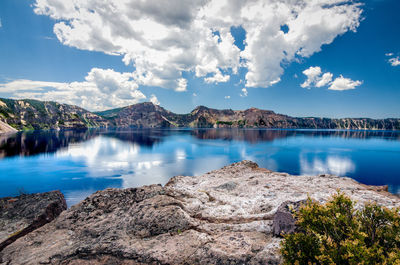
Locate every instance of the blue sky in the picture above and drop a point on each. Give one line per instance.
(40, 57)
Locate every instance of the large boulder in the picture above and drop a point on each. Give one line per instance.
(222, 217)
(25, 213)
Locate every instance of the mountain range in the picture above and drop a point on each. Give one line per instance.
(31, 114)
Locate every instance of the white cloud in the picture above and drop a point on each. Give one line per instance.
(154, 99)
(182, 85)
(227, 97)
(102, 89)
(0, 23)
(217, 78)
(194, 95)
(312, 73)
(244, 92)
(163, 39)
(342, 83)
(394, 61)
(315, 78)
(325, 80)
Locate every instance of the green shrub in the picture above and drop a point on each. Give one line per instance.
(225, 122)
(335, 233)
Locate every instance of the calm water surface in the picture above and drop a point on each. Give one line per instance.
(80, 162)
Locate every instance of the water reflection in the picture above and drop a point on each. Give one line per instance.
(256, 135)
(81, 162)
(334, 165)
(37, 142)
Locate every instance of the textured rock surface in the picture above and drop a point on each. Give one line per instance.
(29, 114)
(5, 128)
(284, 221)
(23, 214)
(223, 217)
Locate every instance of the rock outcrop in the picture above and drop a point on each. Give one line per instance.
(5, 128)
(25, 213)
(29, 114)
(223, 217)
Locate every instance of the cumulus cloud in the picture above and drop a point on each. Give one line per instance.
(312, 73)
(217, 78)
(154, 99)
(244, 92)
(342, 83)
(316, 78)
(163, 39)
(395, 61)
(102, 89)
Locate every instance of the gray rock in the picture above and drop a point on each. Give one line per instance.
(284, 219)
(188, 221)
(227, 186)
(25, 213)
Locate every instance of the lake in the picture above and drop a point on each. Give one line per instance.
(81, 162)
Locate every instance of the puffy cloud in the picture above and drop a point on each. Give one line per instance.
(325, 80)
(182, 85)
(316, 78)
(342, 83)
(217, 78)
(244, 92)
(394, 61)
(154, 99)
(102, 89)
(312, 73)
(162, 39)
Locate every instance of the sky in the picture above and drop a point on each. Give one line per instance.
(322, 58)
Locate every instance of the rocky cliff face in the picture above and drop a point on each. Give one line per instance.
(33, 114)
(227, 216)
(5, 128)
(149, 115)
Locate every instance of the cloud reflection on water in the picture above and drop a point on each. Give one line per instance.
(79, 163)
(332, 164)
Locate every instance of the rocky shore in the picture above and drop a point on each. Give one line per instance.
(233, 215)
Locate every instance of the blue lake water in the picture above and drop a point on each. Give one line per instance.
(81, 162)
